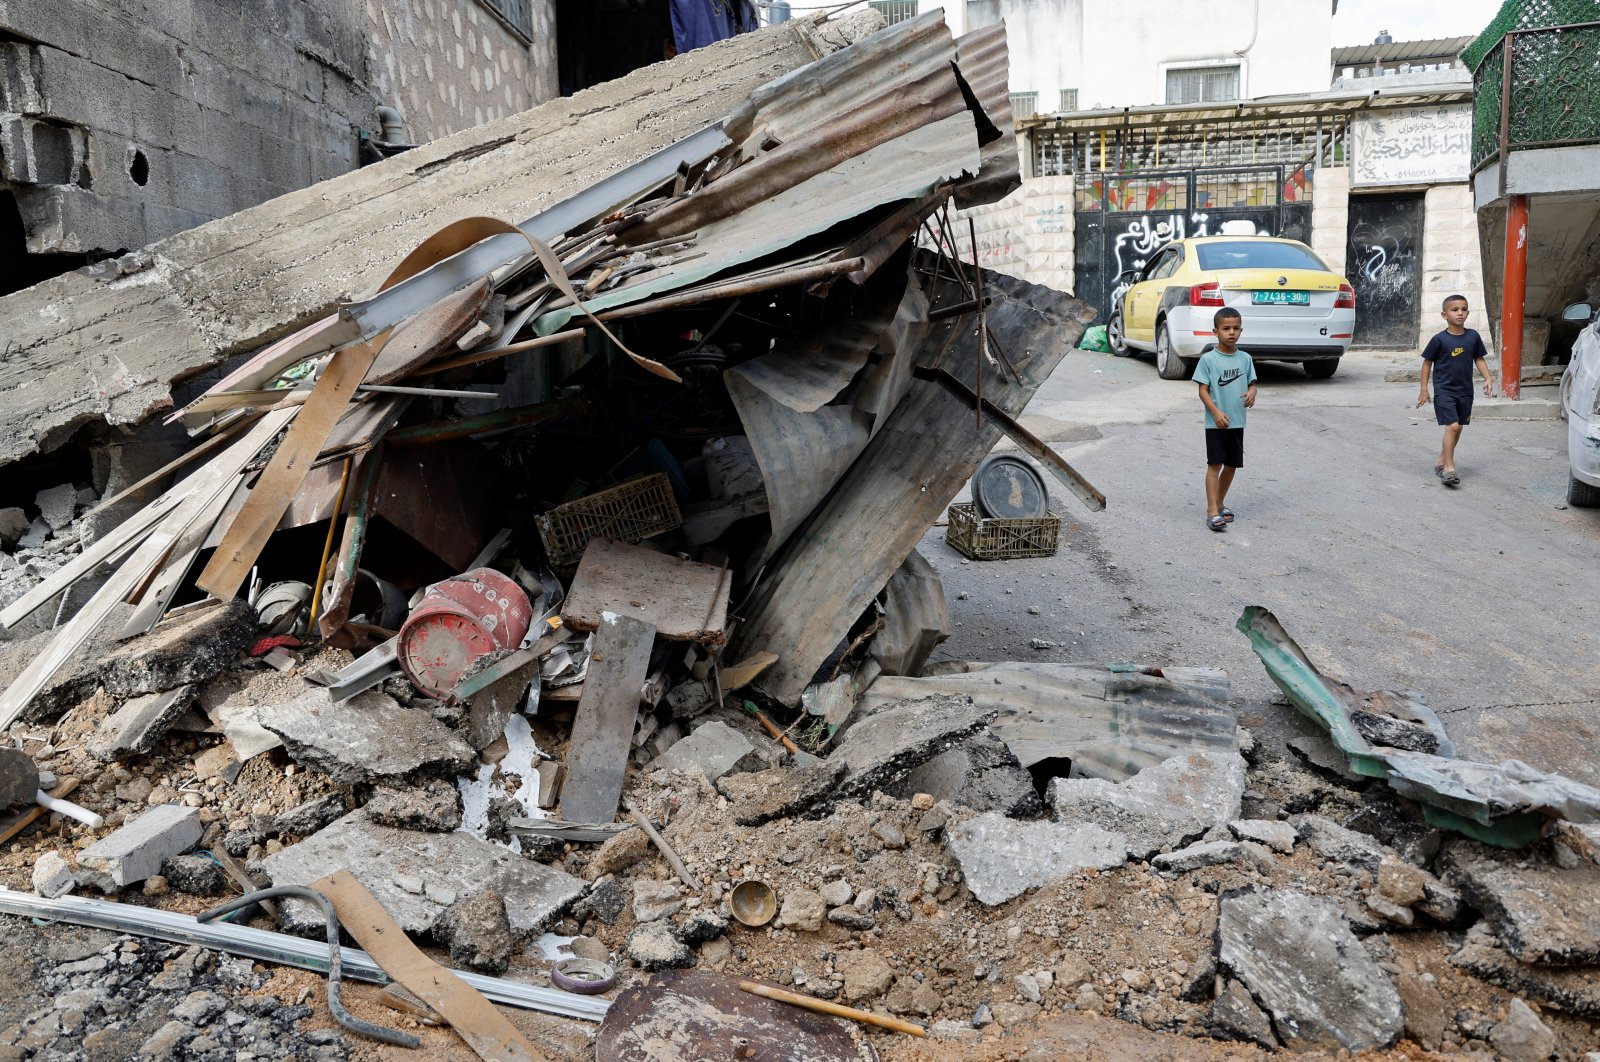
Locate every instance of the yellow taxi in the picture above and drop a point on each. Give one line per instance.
(1294, 307)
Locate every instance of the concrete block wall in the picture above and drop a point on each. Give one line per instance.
(125, 121)
(1451, 258)
(1330, 216)
(1028, 234)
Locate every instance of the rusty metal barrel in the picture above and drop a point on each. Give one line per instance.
(459, 621)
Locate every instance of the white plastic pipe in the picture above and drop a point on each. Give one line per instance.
(69, 809)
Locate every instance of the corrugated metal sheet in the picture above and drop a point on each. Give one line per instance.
(984, 60)
(1439, 49)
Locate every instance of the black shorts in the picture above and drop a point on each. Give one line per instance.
(1452, 408)
(1225, 446)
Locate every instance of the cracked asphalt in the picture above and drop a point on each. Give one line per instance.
(1486, 598)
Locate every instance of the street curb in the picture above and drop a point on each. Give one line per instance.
(1524, 409)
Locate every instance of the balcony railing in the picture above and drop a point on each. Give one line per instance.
(1537, 88)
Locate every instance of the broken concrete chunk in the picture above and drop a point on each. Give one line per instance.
(306, 819)
(1278, 836)
(913, 997)
(1298, 958)
(369, 738)
(1235, 1013)
(137, 850)
(477, 932)
(1574, 989)
(619, 853)
(1542, 912)
(654, 947)
(803, 910)
(13, 525)
(899, 737)
(865, 973)
(762, 796)
(653, 900)
(1340, 845)
(981, 773)
(1196, 856)
(1162, 807)
(57, 505)
(535, 894)
(19, 778)
(433, 805)
(195, 874)
(134, 728)
(701, 927)
(715, 748)
(1001, 858)
(180, 651)
(1522, 1037)
(605, 902)
(52, 875)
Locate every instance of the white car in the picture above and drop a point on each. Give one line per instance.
(1580, 405)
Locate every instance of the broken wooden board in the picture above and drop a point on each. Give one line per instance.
(683, 600)
(485, 1029)
(602, 730)
(746, 671)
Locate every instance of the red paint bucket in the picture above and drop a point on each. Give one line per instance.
(460, 620)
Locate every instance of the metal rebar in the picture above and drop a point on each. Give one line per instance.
(335, 1007)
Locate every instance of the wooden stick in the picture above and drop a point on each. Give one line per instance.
(822, 1006)
(771, 727)
(661, 842)
(327, 546)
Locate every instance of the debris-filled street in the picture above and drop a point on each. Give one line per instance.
(690, 609)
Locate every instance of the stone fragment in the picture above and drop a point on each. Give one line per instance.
(134, 728)
(369, 738)
(52, 875)
(137, 850)
(910, 996)
(477, 932)
(619, 853)
(1574, 989)
(535, 894)
(195, 874)
(305, 819)
(13, 525)
(654, 947)
(1001, 858)
(605, 902)
(434, 805)
(590, 948)
(716, 953)
(1297, 957)
(1236, 1014)
(1073, 970)
(1387, 909)
(851, 919)
(57, 505)
(1341, 845)
(653, 900)
(837, 893)
(1162, 807)
(889, 834)
(981, 773)
(1522, 1037)
(1541, 912)
(866, 974)
(715, 748)
(1401, 882)
(19, 778)
(186, 650)
(701, 927)
(1028, 988)
(803, 910)
(1426, 1019)
(1278, 836)
(1204, 854)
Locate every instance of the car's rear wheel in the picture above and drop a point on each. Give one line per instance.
(1581, 494)
(1321, 370)
(1168, 365)
(1115, 338)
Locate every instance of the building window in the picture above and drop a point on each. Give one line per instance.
(1069, 99)
(1203, 84)
(1024, 104)
(896, 10)
(516, 14)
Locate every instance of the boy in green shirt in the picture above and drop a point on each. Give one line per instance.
(1227, 379)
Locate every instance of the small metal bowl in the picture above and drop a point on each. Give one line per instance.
(754, 903)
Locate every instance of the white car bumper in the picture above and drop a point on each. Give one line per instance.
(1269, 334)
(1583, 448)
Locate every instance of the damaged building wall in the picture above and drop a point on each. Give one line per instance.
(198, 297)
(123, 124)
(1028, 235)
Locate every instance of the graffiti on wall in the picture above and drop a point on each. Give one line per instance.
(1143, 235)
(1385, 267)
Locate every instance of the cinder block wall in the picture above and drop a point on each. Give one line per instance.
(1451, 260)
(1330, 216)
(124, 122)
(1028, 234)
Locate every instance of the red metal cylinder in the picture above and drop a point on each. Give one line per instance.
(1514, 292)
(458, 621)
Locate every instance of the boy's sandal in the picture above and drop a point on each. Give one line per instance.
(1438, 470)
(1450, 478)
(1216, 523)
(1226, 514)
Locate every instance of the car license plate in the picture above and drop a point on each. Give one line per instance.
(1281, 298)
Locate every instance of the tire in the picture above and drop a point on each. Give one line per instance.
(1582, 495)
(1168, 364)
(1321, 370)
(1119, 345)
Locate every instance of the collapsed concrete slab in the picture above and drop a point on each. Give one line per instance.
(1339, 844)
(134, 728)
(137, 850)
(369, 738)
(1300, 961)
(451, 864)
(1542, 912)
(1162, 807)
(1574, 989)
(1001, 858)
(981, 773)
(715, 748)
(184, 650)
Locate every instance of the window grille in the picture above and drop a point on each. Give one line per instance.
(1069, 99)
(1024, 104)
(896, 10)
(517, 14)
(1203, 84)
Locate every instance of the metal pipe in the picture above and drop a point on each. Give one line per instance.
(1514, 292)
(327, 546)
(266, 946)
(499, 420)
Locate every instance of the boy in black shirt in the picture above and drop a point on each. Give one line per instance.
(1449, 358)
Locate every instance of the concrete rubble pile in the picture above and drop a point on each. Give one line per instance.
(557, 608)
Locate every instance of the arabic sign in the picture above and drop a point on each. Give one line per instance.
(1427, 145)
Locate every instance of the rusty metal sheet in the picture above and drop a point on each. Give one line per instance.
(916, 617)
(602, 728)
(683, 600)
(691, 1016)
(911, 470)
(983, 59)
(430, 334)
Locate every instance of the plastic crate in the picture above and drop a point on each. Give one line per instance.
(998, 539)
(628, 512)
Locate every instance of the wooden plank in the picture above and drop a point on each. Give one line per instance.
(602, 731)
(287, 470)
(488, 1032)
(216, 442)
(683, 600)
(154, 598)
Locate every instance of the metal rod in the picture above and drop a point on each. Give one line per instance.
(327, 546)
(500, 352)
(736, 288)
(335, 1006)
(983, 320)
(499, 420)
(958, 309)
(1505, 117)
(266, 946)
(661, 843)
(425, 392)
